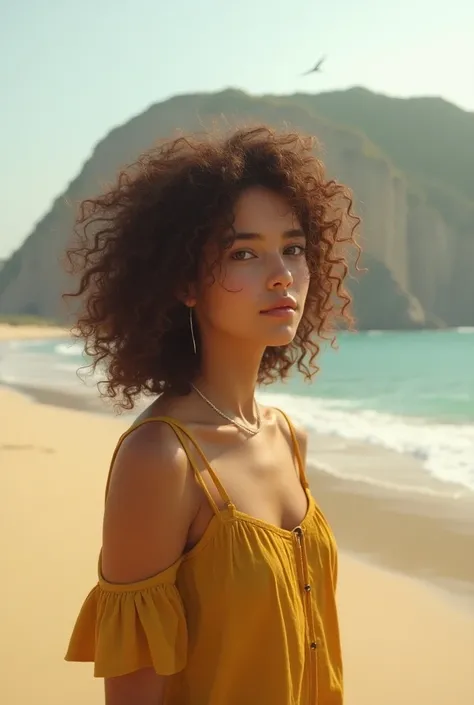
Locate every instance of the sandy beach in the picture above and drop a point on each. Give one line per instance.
(405, 640)
(11, 332)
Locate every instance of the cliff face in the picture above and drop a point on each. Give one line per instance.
(419, 265)
(381, 200)
(34, 277)
(394, 303)
(431, 144)
(459, 303)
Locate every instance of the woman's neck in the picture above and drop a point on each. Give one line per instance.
(228, 377)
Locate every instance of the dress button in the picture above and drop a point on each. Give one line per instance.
(307, 588)
(313, 645)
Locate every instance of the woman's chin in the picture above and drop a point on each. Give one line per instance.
(283, 336)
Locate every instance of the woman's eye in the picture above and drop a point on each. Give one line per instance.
(242, 255)
(295, 250)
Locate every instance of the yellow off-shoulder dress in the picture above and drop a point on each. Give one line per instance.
(246, 617)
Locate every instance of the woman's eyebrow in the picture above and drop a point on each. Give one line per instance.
(294, 232)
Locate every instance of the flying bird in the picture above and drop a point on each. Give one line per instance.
(317, 68)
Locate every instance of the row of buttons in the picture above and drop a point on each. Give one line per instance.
(307, 587)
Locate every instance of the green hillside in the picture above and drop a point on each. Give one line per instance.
(408, 163)
(429, 139)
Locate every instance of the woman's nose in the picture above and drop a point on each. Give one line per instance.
(280, 276)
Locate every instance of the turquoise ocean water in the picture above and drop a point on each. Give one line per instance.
(412, 392)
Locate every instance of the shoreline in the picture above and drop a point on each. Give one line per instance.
(423, 538)
(403, 511)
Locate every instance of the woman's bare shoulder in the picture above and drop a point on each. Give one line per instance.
(150, 504)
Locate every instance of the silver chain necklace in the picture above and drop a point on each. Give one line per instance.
(252, 431)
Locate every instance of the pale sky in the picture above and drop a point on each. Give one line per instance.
(71, 70)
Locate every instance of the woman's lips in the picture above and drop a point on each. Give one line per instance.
(279, 312)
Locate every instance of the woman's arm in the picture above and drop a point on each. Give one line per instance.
(142, 687)
(149, 508)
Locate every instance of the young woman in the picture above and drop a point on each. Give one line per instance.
(213, 266)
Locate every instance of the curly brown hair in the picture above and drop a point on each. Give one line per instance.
(142, 241)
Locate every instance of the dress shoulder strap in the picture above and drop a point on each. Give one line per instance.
(296, 450)
(183, 436)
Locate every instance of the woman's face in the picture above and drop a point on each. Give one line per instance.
(260, 286)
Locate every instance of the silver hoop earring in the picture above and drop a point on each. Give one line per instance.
(191, 325)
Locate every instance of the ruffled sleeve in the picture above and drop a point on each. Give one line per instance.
(123, 628)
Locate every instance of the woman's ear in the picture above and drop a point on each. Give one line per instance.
(188, 296)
